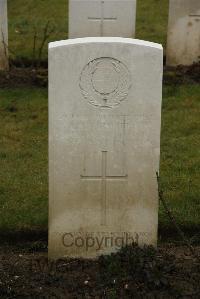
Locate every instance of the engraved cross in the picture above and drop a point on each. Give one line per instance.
(104, 178)
(102, 18)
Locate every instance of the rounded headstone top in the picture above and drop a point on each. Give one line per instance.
(121, 40)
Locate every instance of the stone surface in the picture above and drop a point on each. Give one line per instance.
(183, 45)
(102, 18)
(104, 143)
(3, 35)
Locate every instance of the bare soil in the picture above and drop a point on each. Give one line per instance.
(31, 76)
(23, 77)
(169, 272)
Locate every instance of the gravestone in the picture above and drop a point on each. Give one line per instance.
(183, 43)
(3, 35)
(102, 18)
(104, 143)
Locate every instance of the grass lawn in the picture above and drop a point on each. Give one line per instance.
(29, 16)
(180, 154)
(23, 122)
(23, 157)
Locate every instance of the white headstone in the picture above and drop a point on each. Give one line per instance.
(102, 18)
(104, 144)
(3, 35)
(183, 44)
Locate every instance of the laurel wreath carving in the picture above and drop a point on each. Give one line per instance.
(105, 99)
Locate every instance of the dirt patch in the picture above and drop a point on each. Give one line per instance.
(23, 77)
(169, 272)
(29, 76)
(182, 74)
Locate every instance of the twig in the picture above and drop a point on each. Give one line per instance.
(171, 217)
(45, 37)
(34, 45)
(9, 51)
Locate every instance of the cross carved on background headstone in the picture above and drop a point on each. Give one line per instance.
(102, 19)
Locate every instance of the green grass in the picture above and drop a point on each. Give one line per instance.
(180, 153)
(152, 19)
(23, 157)
(25, 15)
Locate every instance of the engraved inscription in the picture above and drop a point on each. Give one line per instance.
(195, 14)
(105, 82)
(104, 178)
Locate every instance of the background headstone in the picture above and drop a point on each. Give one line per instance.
(102, 18)
(3, 35)
(183, 44)
(104, 144)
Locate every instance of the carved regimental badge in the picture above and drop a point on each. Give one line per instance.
(105, 82)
